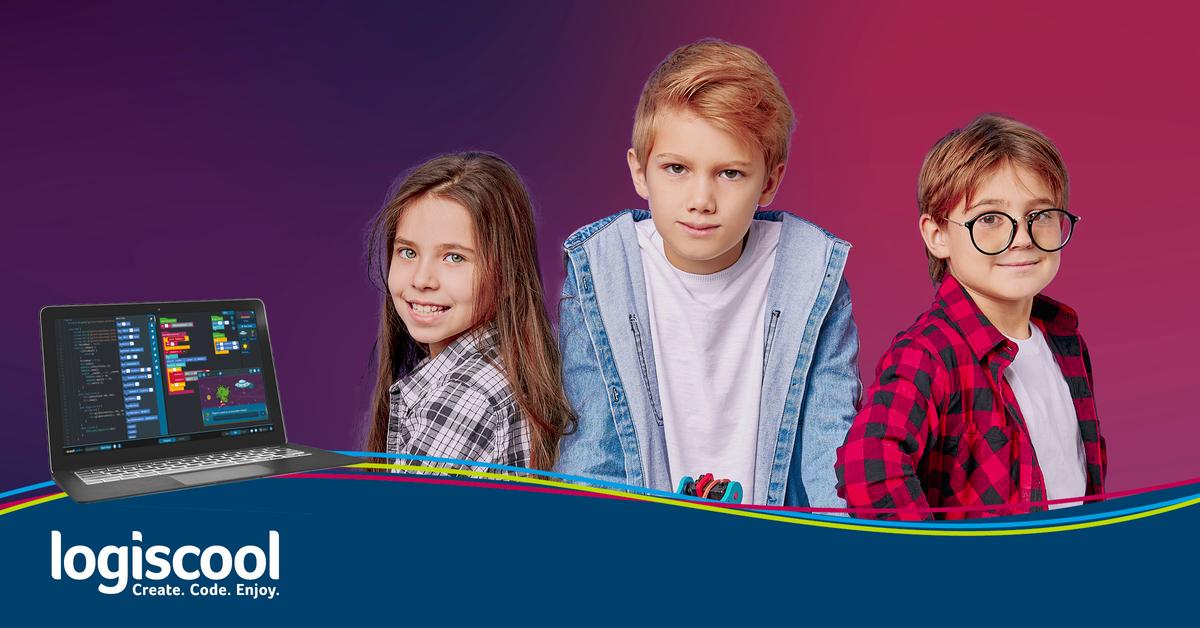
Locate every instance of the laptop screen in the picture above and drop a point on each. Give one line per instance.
(153, 378)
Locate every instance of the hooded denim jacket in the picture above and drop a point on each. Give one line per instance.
(810, 384)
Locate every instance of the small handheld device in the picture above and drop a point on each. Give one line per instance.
(706, 486)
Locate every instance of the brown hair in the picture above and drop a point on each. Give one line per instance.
(957, 165)
(510, 292)
(728, 85)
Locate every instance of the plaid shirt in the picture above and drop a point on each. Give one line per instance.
(459, 405)
(940, 427)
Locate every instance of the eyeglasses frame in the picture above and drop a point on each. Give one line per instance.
(1012, 235)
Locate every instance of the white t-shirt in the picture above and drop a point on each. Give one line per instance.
(1045, 402)
(707, 333)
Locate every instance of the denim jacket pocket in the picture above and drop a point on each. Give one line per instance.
(645, 370)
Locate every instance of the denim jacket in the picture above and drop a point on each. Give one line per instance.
(810, 377)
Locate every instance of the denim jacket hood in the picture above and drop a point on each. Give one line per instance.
(810, 377)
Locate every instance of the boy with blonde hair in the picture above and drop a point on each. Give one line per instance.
(705, 336)
(984, 405)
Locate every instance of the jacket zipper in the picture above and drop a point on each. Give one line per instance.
(770, 339)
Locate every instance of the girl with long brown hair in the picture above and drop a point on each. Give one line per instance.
(468, 365)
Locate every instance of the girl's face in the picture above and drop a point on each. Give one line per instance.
(432, 277)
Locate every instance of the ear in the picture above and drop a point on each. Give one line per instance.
(771, 185)
(637, 172)
(934, 236)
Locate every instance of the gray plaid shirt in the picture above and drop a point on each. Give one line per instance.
(459, 405)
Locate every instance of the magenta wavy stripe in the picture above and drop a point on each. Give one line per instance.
(1059, 525)
(957, 529)
(18, 502)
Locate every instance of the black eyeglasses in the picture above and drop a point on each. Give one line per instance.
(993, 232)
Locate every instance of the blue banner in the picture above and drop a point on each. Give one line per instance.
(364, 544)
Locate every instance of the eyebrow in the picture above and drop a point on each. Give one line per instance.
(725, 166)
(457, 247)
(443, 247)
(1003, 203)
(671, 156)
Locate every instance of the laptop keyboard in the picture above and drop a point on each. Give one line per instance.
(204, 462)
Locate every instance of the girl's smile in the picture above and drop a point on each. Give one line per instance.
(423, 312)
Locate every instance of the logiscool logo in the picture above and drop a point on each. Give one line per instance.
(118, 564)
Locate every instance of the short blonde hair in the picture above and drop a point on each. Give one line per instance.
(957, 165)
(728, 85)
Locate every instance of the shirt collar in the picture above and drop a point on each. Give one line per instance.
(416, 384)
(983, 337)
(961, 312)
(1054, 316)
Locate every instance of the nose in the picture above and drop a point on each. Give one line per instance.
(424, 276)
(703, 199)
(1022, 240)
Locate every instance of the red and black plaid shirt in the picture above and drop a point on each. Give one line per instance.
(940, 427)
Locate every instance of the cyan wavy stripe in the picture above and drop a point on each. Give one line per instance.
(31, 487)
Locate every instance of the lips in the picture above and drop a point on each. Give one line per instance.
(698, 228)
(1024, 264)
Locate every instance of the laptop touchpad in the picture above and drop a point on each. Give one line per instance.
(224, 475)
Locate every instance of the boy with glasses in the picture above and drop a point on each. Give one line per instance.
(984, 405)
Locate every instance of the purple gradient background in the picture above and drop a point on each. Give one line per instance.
(162, 153)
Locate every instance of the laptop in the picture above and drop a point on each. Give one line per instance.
(150, 397)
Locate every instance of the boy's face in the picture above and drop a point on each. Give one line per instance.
(1022, 270)
(432, 276)
(703, 186)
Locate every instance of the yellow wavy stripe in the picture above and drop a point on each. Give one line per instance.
(33, 502)
(857, 527)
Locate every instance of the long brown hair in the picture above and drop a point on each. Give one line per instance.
(509, 293)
